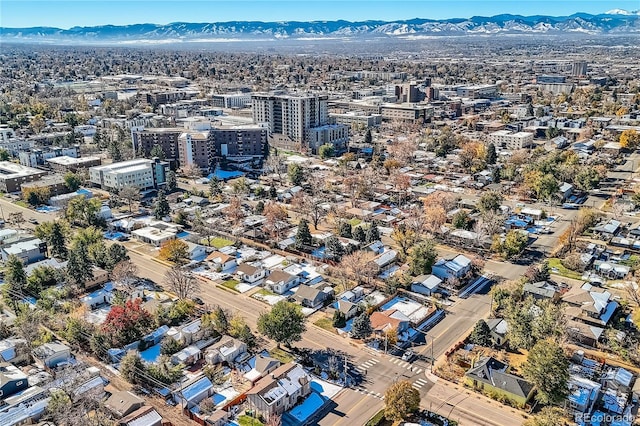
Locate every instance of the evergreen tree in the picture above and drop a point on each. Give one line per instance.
(367, 137)
(116, 253)
(339, 319)
(303, 236)
(114, 151)
(78, 268)
(344, 229)
(496, 175)
(162, 206)
(273, 193)
(15, 279)
(172, 182)
(359, 234)
(219, 321)
(373, 233)
(361, 326)
(333, 248)
(58, 241)
(492, 155)
(294, 171)
(481, 334)
(215, 188)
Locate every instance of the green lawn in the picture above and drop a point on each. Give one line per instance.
(561, 270)
(245, 420)
(21, 204)
(217, 242)
(281, 355)
(325, 323)
(230, 284)
(355, 221)
(265, 292)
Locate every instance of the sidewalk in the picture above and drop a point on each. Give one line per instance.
(468, 407)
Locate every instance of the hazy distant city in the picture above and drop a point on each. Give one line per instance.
(378, 222)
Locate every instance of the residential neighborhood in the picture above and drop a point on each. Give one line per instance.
(229, 239)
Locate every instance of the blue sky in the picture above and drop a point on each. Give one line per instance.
(69, 13)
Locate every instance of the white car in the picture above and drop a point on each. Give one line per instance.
(407, 355)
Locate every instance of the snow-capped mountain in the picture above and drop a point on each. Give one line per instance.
(615, 21)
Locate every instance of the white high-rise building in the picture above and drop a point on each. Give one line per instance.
(291, 115)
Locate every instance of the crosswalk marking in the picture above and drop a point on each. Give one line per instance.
(418, 384)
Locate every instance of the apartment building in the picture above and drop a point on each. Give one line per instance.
(13, 175)
(239, 141)
(488, 91)
(508, 140)
(406, 112)
(231, 100)
(293, 116)
(195, 149)
(356, 119)
(141, 173)
(39, 156)
(332, 134)
(166, 138)
(65, 164)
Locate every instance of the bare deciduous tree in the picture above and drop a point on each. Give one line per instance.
(124, 275)
(182, 283)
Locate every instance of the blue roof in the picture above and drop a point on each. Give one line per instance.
(196, 388)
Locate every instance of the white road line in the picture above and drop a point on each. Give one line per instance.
(418, 371)
(422, 381)
(395, 361)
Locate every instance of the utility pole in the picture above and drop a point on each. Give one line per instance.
(346, 375)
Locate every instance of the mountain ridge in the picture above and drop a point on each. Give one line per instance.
(613, 22)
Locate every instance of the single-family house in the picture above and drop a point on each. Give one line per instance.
(193, 392)
(222, 260)
(541, 290)
(489, 374)
(311, 297)
(217, 418)
(12, 380)
(51, 354)
(583, 394)
(187, 356)
(227, 349)
(143, 416)
(349, 309)
(390, 319)
(29, 251)
(617, 378)
(250, 274)
(586, 334)
(589, 304)
(565, 191)
(93, 388)
(99, 277)
(123, 403)
(14, 350)
(260, 366)
(385, 258)
(425, 284)
(280, 391)
(280, 282)
(196, 252)
(157, 233)
(353, 295)
(608, 230)
(498, 329)
(457, 267)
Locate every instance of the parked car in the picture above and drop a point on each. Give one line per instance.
(198, 301)
(33, 220)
